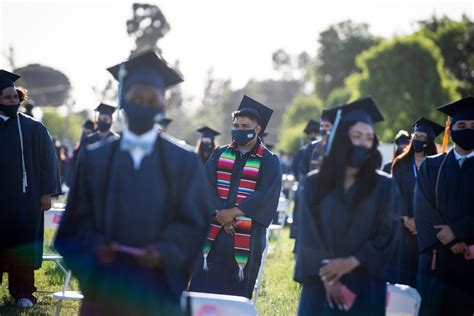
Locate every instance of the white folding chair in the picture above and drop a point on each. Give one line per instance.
(52, 220)
(216, 304)
(402, 300)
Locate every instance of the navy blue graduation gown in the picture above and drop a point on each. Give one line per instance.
(404, 175)
(95, 137)
(310, 152)
(163, 203)
(260, 206)
(448, 288)
(334, 229)
(21, 220)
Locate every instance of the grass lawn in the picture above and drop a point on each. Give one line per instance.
(278, 294)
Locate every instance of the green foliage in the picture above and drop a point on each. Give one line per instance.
(301, 110)
(455, 39)
(406, 76)
(59, 127)
(337, 97)
(338, 47)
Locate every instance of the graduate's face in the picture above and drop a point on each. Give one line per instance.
(325, 125)
(243, 122)
(362, 134)
(421, 136)
(463, 124)
(9, 96)
(105, 118)
(145, 95)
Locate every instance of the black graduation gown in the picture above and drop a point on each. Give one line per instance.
(448, 289)
(260, 206)
(21, 221)
(335, 229)
(162, 204)
(95, 137)
(404, 175)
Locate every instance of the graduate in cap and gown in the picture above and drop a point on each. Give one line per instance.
(311, 158)
(104, 123)
(444, 218)
(313, 155)
(206, 143)
(405, 170)
(311, 131)
(246, 178)
(402, 139)
(137, 214)
(29, 178)
(348, 229)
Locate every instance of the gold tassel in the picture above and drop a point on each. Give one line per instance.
(446, 136)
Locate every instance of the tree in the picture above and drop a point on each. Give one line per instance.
(338, 47)
(147, 25)
(455, 39)
(299, 112)
(406, 77)
(56, 124)
(46, 86)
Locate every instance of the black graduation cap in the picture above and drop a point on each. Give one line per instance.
(402, 137)
(208, 132)
(7, 79)
(460, 110)
(255, 109)
(311, 126)
(429, 127)
(88, 124)
(362, 110)
(105, 109)
(147, 67)
(164, 121)
(329, 115)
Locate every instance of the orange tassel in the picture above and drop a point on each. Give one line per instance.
(446, 136)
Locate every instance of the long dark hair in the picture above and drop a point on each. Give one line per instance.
(198, 149)
(331, 175)
(408, 153)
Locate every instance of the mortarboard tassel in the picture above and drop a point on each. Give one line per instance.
(333, 132)
(121, 76)
(23, 165)
(446, 136)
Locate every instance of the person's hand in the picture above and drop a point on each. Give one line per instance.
(225, 217)
(230, 229)
(337, 268)
(445, 235)
(105, 254)
(334, 295)
(409, 223)
(460, 248)
(45, 202)
(150, 258)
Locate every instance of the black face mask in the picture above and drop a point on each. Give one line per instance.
(140, 119)
(419, 146)
(103, 126)
(243, 136)
(10, 110)
(358, 156)
(463, 138)
(206, 148)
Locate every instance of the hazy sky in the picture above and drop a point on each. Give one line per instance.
(236, 38)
